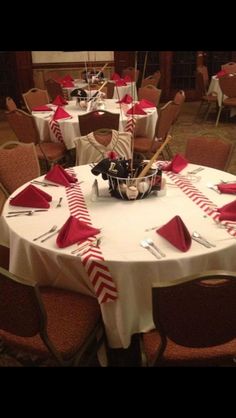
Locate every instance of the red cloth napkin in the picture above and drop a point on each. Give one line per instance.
(57, 174)
(115, 76)
(120, 83)
(127, 79)
(73, 231)
(228, 212)
(67, 77)
(176, 232)
(136, 110)
(177, 164)
(59, 101)
(43, 108)
(146, 103)
(61, 114)
(221, 73)
(31, 197)
(67, 83)
(126, 99)
(227, 188)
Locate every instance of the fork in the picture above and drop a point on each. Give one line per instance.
(144, 244)
(150, 242)
(54, 227)
(197, 170)
(59, 203)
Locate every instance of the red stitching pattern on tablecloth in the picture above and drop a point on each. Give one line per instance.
(202, 201)
(92, 259)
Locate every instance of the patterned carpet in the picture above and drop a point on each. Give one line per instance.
(183, 129)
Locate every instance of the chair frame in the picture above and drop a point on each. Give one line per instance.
(34, 299)
(35, 93)
(210, 281)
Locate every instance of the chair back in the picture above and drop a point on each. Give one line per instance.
(197, 312)
(153, 79)
(228, 85)
(132, 73)
(151, 93)
(229, 67)
(95, 146)
(204, 71)
(178, 100)
(211, 152)
(54, 88)
(90, 122)
(18, 165)
(110, 89)
(35, 97)
(10, 104)
(23, 125)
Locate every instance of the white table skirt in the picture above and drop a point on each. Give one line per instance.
(123, 224)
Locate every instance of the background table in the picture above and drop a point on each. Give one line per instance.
(123, 224)
(145, 125)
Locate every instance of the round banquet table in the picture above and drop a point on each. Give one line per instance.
(145, 124)
(123, 223)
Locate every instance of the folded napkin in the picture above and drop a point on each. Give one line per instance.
(57, 174)
(31, 197)
(177, 164)
(73, 231)
(221, 73)
(43, 108)
(127, 79)
(228, 212)
(120, 83)
(59, 101)
(126, 99)
(136, 110)
(67, 77)
(176, 232)
(67, 83)
(115, 76)
(144, 103)
(227, 188)
(61, 114)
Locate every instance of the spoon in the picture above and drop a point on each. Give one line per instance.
(144, 244)
(59, 203)
(197, 235)
(150, 242)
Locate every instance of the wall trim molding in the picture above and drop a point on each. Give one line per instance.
(76, 64)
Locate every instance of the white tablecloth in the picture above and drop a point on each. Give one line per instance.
(145, 124)
(123, 224)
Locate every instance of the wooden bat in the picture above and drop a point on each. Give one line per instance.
(155, 156)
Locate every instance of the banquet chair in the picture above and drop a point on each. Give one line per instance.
(96, 146)
(18, 165)
(227, 84)
(89, 122)
(10, 104)
(35, 97)
(166, 118)
(131, 72)
(195, 322)
(178, 100)
(208, 99)
(24, 126)
(110, 89)
(48, 326)
(209, 151)
(153, 79)
(54, 88)
(150, 93)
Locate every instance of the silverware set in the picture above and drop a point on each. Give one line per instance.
(83, 248)
(54, 227)
(201, 240)
(24, 212)
(197, 170)
(44, 183)
(149, 245)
